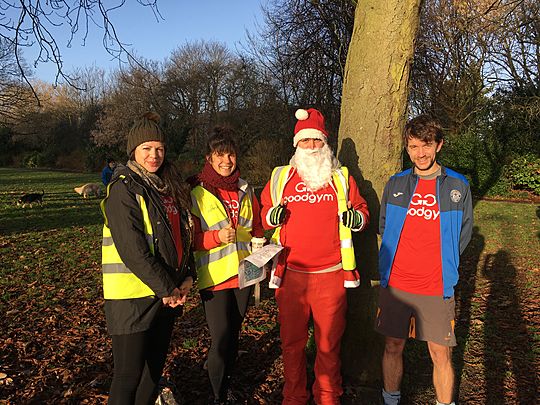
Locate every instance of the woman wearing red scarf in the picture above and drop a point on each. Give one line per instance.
(226, 217)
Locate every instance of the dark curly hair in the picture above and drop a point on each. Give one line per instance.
(221, 141)
(423, 128)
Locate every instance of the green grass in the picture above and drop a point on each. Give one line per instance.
(62, 207)
(189, 343)
(42, 247)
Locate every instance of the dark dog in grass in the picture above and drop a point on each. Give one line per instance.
(31, 198)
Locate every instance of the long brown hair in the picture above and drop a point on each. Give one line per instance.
(179, 189)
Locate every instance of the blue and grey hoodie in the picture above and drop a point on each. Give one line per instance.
(456, 219)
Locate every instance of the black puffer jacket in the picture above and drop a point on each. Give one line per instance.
(159, 271)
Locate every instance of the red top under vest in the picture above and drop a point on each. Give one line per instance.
(174, 219)
(210, 239)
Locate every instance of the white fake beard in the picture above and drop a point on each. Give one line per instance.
(315, 166)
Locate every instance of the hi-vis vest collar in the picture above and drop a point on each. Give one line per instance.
(118, 280)
(217, 265)
(340, 183)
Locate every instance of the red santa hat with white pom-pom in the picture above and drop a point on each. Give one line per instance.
(310, 125)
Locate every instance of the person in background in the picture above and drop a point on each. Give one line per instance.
(226, 217)
(108, 170)
(426, 222)
(313, 204)
(146, 254)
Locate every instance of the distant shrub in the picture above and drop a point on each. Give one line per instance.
(501, 188)
(261, 158)
(95, 157)
(76, 160)
(490, 168)
(524, 173)
(43, 159)
(189, 163)
(7, 152)
(6, 159)
(33, 160)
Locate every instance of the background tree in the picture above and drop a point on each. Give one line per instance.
(196, 75)
(133, 91)
(28, 23)
(303, 46)
(476, 68)
(448, 70)
(373, 110)
(13, 90)
(55, 133)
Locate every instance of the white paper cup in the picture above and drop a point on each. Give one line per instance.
(257, 243)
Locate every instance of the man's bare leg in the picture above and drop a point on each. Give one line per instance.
(392, 367)
(443, 372)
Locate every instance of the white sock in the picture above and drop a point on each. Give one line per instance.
(391, 398)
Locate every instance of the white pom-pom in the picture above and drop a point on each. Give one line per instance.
(301, 114)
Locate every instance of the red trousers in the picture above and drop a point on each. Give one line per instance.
(323, 296)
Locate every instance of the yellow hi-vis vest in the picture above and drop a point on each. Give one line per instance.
(282, 174)
(217, 265)
(118, 281)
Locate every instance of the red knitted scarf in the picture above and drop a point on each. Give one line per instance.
(209, 177)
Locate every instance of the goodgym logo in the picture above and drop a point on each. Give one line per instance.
(421, 206)
(305, 195)
(233, 207)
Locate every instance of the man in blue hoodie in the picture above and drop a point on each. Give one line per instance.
(107, 172)
(426, 223)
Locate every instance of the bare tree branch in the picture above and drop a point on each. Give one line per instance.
(37, 24)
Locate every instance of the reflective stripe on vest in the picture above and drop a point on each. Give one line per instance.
(341, 181)
(282, 174)
(118, 280)
(218, 264)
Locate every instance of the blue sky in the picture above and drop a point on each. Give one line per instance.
(184, 21)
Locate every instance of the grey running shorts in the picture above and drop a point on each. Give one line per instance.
(423, 317)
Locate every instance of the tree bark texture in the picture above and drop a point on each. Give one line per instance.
(373, 111)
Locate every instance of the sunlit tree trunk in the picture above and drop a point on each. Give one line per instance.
(373, 110)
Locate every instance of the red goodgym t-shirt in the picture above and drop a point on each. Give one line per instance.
(310, 232)
(417, 265)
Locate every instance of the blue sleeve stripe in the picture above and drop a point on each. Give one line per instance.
(450, 236)
(403, 173)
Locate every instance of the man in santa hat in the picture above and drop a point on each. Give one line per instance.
(313, 204)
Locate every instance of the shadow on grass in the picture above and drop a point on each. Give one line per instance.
(509, 357)
(57, 212)
(464, 295)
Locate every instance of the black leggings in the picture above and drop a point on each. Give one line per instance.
(139, 359)
(224, 312)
